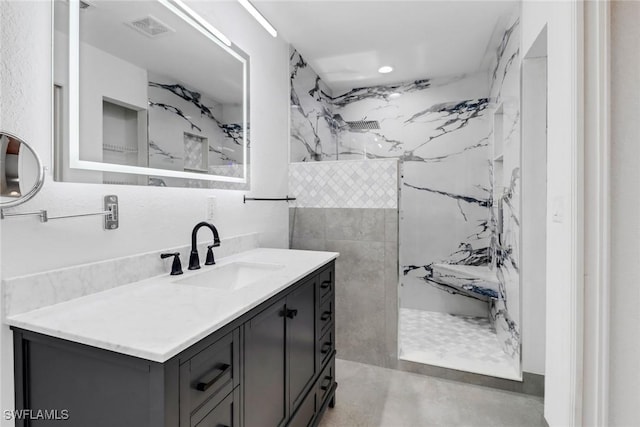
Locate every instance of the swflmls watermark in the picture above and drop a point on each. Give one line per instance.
(36, 414)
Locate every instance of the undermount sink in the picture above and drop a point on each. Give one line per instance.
(230, 277)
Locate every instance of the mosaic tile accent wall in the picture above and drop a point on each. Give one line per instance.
(345, 184)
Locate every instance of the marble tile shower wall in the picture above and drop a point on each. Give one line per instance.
(505, 94)
(439, 129)
(314, 132)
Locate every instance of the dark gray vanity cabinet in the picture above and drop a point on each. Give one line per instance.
(283, 338)
(265, 368)
(273, 366)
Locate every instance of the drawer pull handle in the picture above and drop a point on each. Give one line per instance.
(206, 382)
(325, 316)
(326, 348)
(326, 284)
(292, 313)
(324, 387)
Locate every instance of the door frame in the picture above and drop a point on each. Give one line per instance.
(597, 240)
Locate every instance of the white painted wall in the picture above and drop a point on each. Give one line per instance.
(111, 78)
(534, 211)
(560, 389)
(624, 364)
(151, 218)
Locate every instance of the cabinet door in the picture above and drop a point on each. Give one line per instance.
(301, 346)
(265, 399)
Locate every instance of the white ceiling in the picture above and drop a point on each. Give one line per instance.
(346, 42)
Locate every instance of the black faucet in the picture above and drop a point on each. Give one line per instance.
(176, 267)
(194, 259)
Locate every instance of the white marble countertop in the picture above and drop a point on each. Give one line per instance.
(156, 319)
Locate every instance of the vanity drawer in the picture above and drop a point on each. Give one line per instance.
(225, 414)
(326, 345)
(327, 282)
(326, 380)
(211, 372)
(325, 315)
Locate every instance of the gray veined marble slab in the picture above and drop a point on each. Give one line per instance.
(157, 318)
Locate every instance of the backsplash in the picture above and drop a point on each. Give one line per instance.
(345, 184)
(26, 293)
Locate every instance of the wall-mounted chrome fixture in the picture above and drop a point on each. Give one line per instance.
(258, 17)
(110, 213)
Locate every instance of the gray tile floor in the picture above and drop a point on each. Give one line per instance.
(372, 396)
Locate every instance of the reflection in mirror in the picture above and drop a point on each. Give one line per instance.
(21, 174)
(160, 101)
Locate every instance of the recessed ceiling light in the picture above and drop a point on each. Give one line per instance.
(385, 69)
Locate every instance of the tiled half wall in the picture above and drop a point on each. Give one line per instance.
(366, 300)
(345, 184)
(351, 207)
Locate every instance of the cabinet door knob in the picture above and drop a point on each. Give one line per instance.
(292, 313)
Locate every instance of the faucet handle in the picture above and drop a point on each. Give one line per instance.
(176, 267)
(210, 259)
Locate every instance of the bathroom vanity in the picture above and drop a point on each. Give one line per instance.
(261, 354)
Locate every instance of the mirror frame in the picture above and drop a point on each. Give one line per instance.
(199, 24)
(40, 180)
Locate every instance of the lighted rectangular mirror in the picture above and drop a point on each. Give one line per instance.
(147, 93)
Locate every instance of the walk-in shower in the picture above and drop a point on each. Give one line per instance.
(456, 142)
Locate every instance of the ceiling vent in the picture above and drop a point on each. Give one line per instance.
(150, 26)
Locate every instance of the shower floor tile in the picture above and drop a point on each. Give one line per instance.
(464, 343)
